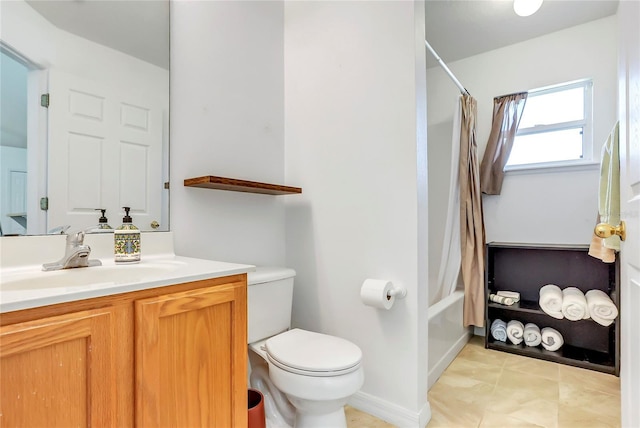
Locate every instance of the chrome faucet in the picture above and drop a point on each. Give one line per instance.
(76, 255)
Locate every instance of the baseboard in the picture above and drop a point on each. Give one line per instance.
(389, 412)
(440, 366)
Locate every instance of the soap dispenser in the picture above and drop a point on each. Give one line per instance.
(127, 240)
(103, 223)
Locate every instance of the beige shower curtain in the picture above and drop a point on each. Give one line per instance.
(471, 221)
(507, 111)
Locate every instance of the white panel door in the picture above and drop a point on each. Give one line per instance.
(629, 111)
(105, 151)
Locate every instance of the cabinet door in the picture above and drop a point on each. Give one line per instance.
(191, 358)
(59, 371)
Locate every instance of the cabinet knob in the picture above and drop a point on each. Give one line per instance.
(605, 230)
(155, 224)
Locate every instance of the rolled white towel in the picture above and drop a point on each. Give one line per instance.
(501, 299)
(515, 331)
(532, 336)
(601, 307)
(511, 294)
(551, 339)
(574, 304)
(499, 330)
(551, 300)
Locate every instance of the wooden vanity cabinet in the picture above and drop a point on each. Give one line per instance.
(191, 358)
(169, 356)
(59, 371)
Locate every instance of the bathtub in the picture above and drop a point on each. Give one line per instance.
(447, 336)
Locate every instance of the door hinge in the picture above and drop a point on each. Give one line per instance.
(44, 203)
(44, 100)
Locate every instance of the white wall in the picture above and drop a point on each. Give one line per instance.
(27, 32)
(355, 142)
(353, 138)
(227, 119)
(547, 206)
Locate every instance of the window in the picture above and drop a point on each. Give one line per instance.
(555, 128)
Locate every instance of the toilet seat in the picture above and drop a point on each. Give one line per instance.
(313, 354)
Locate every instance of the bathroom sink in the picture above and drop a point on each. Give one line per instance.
(95, 276)
(24, 285)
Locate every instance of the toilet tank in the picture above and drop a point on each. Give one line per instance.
(269, 300)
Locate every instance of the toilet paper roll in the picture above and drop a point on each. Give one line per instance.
(374, 292)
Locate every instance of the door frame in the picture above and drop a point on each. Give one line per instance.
(37, 84)
(629, 116)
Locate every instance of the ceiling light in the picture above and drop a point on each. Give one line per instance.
(526, 7)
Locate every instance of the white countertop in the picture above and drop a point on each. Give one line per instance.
(25, 285)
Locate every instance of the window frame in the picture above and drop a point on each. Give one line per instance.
(586, 124)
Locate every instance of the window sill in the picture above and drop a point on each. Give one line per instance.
(542, 168)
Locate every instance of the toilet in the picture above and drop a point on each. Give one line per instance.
(306, 377)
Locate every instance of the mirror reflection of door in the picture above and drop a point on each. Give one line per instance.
(115, 44)
(23, 144)
(105, 151)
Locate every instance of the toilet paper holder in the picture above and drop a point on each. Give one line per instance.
(398, 292)
(380, 293)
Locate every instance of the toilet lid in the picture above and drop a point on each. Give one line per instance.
(314, 354)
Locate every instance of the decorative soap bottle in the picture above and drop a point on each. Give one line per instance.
(103, 223)
(127, 241)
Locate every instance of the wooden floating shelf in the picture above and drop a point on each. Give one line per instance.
(235, 185)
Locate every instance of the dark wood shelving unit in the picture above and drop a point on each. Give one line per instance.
(521, 306)
(235, 185)
(570, 355)
(526, 268)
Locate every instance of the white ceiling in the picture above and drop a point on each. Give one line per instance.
(458, 29)
(136, 27)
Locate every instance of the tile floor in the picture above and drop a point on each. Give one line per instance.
(487, 388)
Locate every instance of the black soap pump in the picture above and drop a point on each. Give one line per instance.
(103, 225)
(127, 240)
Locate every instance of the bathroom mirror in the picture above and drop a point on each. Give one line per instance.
(84, 114)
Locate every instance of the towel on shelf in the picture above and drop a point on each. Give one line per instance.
(609, 197)
(532, 336)
(551, 339)
(515, 331)
(499, 330)
(501, 299)
(510, 294)
(574, 304)
(601, 307)
(551, 300)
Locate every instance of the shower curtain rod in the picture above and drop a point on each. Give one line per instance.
(446, 69)
(509, 95)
